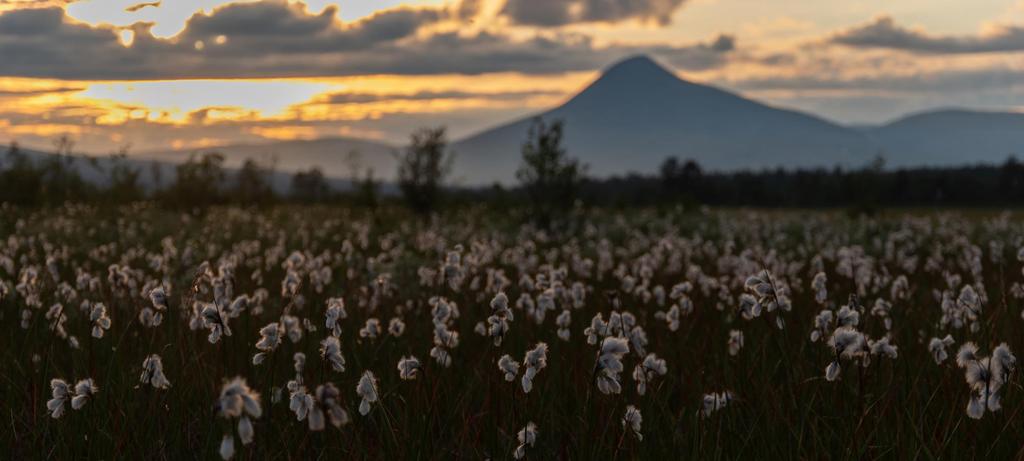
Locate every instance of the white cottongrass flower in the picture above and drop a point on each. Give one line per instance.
(882, 309)
(371, 329)
(638, 339)
(937, 347)
(292, 327)
(985, 376)
(290, 284)
(845, 343)
(396, 327)
(330, 350)
(498, 321)
(270, 338)
(715, 401)
(644, 372)
(299, 401)
(819, 286)
(496, 328)
(822, 325)
(245, 430)
(444, 340)
(735, 342)
(770, 293)
(57, 319)
(367, 390)
(527, 438)
(499, 306)
(237, 400)
(609, 364)
(335, 313)
(680, 289)
(153, 317)
(153, 372)
(968, 353)
(509, 367)
(327, 403)
(749, 306)
(534, 361)
(883, 347)
(84, 389)
(563, 321)
(672, 317)
(598, 329)
(61, 393)
(441, 356)
(408, 368)
(633, 420)
(848, 316)
(99, 319)
(216, 321)
(227, 447)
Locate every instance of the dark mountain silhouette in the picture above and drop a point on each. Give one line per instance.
(637, 114)
(951, 137)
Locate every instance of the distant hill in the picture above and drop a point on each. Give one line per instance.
(951, 137)
(155, 174)
(637, 114)
(330, 154)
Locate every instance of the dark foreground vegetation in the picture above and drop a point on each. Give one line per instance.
(784, 335)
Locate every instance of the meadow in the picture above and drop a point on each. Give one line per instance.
(299, 332)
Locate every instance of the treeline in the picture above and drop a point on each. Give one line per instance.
(549, 179)
(199, 182)
(866, 189)
(549, 183)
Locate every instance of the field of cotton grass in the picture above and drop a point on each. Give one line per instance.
(307, 332)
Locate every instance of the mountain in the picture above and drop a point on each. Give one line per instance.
(951, 137)
(636, 114)
(330, 154)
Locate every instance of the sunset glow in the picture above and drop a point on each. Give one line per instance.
(215, 72)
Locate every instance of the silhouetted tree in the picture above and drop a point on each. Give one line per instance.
(550, 178)
(422, 168)
(310, 186)
(366, 192)
(1011, 179)
(197, 184)
(61, 180)
(681, 182)
(124, 185)
(20, 180)
(252, 185)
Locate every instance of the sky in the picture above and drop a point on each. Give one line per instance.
(191, 74)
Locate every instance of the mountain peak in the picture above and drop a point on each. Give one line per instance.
(638, 68)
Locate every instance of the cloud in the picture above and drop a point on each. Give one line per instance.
(362, 98)
(883, 32)
(945, 81)
(4, 92)
(552, 13)
(139, 6)
(281, 39)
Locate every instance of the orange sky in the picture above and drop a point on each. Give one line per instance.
(193, 73)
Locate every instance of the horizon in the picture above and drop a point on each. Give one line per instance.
(191, 76)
